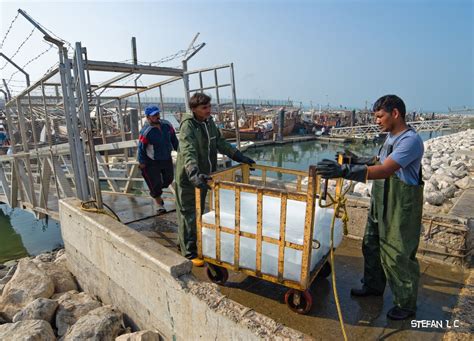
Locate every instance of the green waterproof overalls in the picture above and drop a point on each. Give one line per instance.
(392, 236)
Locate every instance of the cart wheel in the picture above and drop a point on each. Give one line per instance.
(299, 301)
(325, 270)
(217, 274)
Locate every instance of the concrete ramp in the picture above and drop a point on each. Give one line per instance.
(152, 285)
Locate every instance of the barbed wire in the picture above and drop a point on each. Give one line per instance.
(18, 81)
(19, 48)
(8, 31)
(31, 61)
(180, 53)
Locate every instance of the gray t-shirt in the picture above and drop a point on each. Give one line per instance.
(406, 149)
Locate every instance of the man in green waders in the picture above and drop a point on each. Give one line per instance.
(393, 226)
(199, 142)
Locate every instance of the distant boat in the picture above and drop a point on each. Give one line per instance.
(247, 134)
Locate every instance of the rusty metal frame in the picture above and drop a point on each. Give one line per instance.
(226, 179)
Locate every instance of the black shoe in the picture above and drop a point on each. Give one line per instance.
(365, 291)
(397, 313)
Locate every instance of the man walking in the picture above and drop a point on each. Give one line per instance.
(199, 142)
(393, 226)
(156, 141)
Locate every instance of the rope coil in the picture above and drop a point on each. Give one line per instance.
(91, 206)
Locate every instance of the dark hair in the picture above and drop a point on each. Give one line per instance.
(390, 102)
(198, 99)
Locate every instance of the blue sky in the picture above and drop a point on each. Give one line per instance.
(341, 52)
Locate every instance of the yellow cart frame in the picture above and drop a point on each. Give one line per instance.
(227, 179)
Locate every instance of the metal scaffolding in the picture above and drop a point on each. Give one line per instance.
(373, 130)
(70, 140)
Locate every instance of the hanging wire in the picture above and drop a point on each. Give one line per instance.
(19, 48)
(8, 31)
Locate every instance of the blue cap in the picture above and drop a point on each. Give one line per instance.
(152, 110)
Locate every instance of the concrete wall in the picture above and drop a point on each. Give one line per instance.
(152, 285)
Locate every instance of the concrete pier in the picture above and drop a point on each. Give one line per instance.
(153, 285)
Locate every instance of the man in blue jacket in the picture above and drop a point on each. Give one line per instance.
(156, 141)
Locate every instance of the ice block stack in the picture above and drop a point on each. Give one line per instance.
(295, 218)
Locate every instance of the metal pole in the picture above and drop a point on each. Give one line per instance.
(5, 95)
(162, 106)
(281, 124)
(35, 24)
(135, 61)
(134, 50)
(186, 85)
(134, 124)
(81, 180)
(24, 138)
(217, 92)
(7, 90)
(18, 68)
(234, 103)
(87, 127)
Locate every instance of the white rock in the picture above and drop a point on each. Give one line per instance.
(435, 198)
(72, 306)
(27, 284)
(39, 309)
(9, 275)
(435, 163)
(464, 183)
(104, 324)
(30, 330)
(60, 253)
(143, 335)
(59, 274)
(44, 257)
(449, 191)
(427, 175)
(11, 263)
(437, 178)
(443, 184)
(430, 187)
(363, 189)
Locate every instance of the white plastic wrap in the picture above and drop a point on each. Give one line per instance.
(295, 215)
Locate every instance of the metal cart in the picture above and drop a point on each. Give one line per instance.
(238, 179)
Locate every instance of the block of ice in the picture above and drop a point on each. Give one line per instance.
(295, 216)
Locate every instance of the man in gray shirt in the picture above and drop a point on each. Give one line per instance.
(393, 226)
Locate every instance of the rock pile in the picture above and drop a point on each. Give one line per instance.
(448, 167)
(39, 300)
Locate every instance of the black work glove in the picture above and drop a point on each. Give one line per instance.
(239, 157)
(356, 159)
(198, 179)
(329, 169)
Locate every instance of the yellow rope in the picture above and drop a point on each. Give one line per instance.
(339, 204)
(85, 206)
